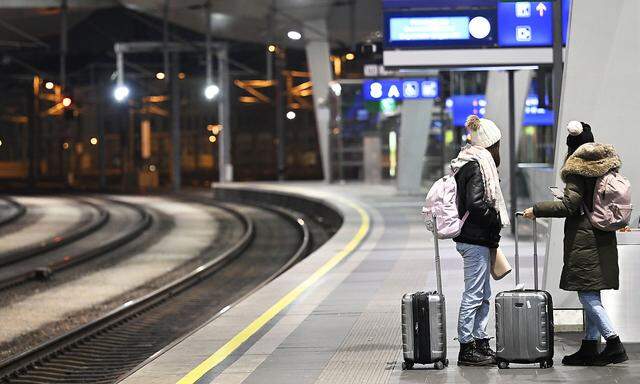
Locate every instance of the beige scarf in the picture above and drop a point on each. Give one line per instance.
(490, 177)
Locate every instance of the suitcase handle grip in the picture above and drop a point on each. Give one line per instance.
(535, 251)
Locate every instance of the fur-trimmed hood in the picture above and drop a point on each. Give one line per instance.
(591, 160)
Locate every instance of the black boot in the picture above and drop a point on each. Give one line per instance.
(483, 347)
(470, 356)
(586, 354)
(613, 353)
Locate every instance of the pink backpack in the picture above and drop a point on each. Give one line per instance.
(441, 203)
(611, 202)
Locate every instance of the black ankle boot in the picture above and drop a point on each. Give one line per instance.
(586, 354)
(613, 353)
(483, 347)
(470, 356)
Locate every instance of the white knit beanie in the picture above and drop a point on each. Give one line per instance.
(484, 132)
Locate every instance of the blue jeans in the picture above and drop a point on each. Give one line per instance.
(474, 308)
(598, 322)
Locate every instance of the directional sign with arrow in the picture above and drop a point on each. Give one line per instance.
(541, 8)
(525, 24)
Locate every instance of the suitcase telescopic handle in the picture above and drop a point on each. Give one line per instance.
(437, 251)
(535, 251)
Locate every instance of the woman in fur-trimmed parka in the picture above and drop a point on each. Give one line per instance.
(590, 255)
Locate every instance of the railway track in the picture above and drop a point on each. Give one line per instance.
(94, 217)
(111, 346)
(16, 210)
(119, 222)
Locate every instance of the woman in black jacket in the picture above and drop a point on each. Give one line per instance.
(480, 199)
(590, 255)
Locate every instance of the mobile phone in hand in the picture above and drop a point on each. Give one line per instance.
(556, 192)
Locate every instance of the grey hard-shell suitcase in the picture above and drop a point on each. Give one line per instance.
(524, 319)
(424, 326)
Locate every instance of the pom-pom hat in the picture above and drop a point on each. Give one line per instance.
(484, 132)
(579, 133)
(575, 128)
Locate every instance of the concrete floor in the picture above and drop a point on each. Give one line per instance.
(346, 327)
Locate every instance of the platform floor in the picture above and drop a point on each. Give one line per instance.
(344, 326)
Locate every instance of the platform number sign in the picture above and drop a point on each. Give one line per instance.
(375, 90)
(400, 89)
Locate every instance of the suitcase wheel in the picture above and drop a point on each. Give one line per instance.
(504, 365)
(439, 365)
(406, 365)
(546, 364)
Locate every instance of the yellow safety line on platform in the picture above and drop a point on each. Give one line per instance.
(270, 313)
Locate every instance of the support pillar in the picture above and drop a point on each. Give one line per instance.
(33, 149)
(101, 141)
(225, 165)
(176, 158)
(600, 85)
(319, 61)
(64, 8)
(557, 58)
(497, 109)
(98, 120)
(513, 163)
(415, 125)
(372, 157)
(280, 103)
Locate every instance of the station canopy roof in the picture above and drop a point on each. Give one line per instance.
(242, 20)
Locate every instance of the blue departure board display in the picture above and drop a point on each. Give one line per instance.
(442, 28)
(421, 24)
(461, 106)
(429, 28)
(534, 115)
(416, 4)
(399, 89)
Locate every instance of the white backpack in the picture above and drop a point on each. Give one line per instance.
(611, 202)
(441, 204)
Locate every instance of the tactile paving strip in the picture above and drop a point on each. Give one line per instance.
(372, 348)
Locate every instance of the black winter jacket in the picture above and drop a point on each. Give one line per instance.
(483, 225)
(590, 255)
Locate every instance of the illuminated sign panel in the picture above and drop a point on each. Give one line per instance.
(461, 106)
(534, 115)
(501, 24)
(400, 89)
(529, 23)
(399, 4)
(440, 28)
(429, 28)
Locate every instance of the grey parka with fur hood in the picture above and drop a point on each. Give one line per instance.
(590, 255)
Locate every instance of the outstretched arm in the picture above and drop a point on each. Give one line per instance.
(570, 203)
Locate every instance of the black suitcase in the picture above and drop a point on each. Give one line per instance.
(524, 320)
(424, 324)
